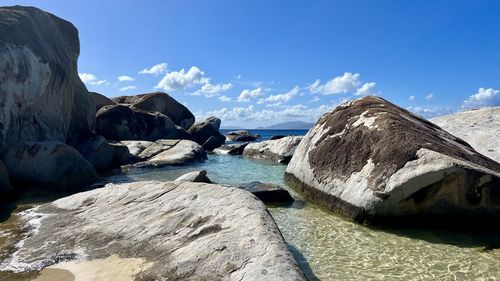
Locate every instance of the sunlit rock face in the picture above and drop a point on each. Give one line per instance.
(373, 161)
(41, 95)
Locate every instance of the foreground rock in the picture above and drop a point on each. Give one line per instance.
(231, 149)
(165, 152)
(268, 193)
(104, 155)
(163, 103)
(241, 135)
(196, 176)
(42, 97)
(280, 150)
(375, 162)
(158, 231)
(53, 165)
(206, 133)
(100, 101)
(119, 122)
(479, 127)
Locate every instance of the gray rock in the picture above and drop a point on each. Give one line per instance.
(376, 162)
(268, 193)
(480, 128)
(54, 165)
(214, 121)
(171, 152)
(277, 137)
(196, 176)
(4, 180)
(136, 147)
(280, 150)
(231, 149)
(206, 133)
(102, 154)
(163, 103)
(100, 100)
(159, 231)
(42, 97)
(119, 122)
(212, 143)
(241, 135)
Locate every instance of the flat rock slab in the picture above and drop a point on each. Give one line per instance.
(480, 128)
(172, 231)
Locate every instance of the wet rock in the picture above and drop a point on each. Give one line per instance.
(280, 150)
(100, 100)
(480, 128)
(174, 231)
(206, 134)
(267, 192)
(170, 152)
(241, 135)
(104, 155)
(119, 122)
(196, 176)
(232, 149)
(42, 97)
(375, 162)
(53, 165)
(163, 103)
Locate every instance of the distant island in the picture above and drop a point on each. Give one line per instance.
(292, 125)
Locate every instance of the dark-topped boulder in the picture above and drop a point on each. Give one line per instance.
(42, 96)
(280, 150)
(232, 149)
(373, 161)
(104, 155)
(195, 176)
(53, 165)
(163, 103)
(206, 133)
(100, 100)
(268, 192)
(120, 122)
(241, 135)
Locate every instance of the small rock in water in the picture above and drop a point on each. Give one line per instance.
(267, 192)
(196, 176)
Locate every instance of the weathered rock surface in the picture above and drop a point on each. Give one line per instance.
(241, 135)
(173, 231)
(196, 176)
(104, 155)
(231, 149)
(165, 152)
(42, 97)
(119, 122)
(480, 128)
(206, 133)
(280, 150)
(376, 162)
(100, 100)
(267, 192)
(277, 137)
(163, 103)
(4, 179)
(54, 165)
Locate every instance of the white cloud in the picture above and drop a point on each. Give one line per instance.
(238, 77)
(412, 98)
(347, 83)
(429, 96)
(483, 98)
(247, 95)
(210, 90)
(283, 97)
(155, 70)
(430, 112)
(91, 79)
(314, 99)
(225, 99)
(178, 81)
(128, 88)
(125, 78)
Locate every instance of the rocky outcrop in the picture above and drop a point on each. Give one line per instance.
(373, 161)
(119, 122)
(241, 135)
(104, 155)
(53, 165)
(277, 137)
(267, 192)
(4, 180)
(206, 133)
(100, 101)
(196, 176)
(165, 152)
(231, 149)
(280, 150)
(42, 97)
(480, 128)
(157, 231)
(163, 103)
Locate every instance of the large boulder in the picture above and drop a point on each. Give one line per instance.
(51, 164)
(104, 155)
(42, 97)
(280, 150)
(206, 133)
(241, 135)
(120, 122)
(100, 101)
(373, 161)
(480, 128)
(231, 149)
(156, 231)
(163, 103)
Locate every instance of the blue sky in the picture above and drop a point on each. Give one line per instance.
(255, 63)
